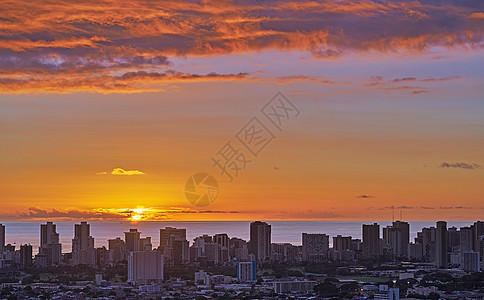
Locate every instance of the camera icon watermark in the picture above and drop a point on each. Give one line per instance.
(201, 189)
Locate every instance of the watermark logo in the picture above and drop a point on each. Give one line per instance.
(201, 189)
(233, 157)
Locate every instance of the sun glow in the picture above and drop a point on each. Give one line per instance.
(137, 214)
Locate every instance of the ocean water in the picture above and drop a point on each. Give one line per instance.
(282, 231)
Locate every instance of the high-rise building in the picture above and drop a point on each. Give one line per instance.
(145, 267)
(427, 238)
(222, 239)
(2, 238)
(260, 240)
(471, 261)
(441, 245)
(117, 247)
(212, 252)
(371, 240)
(397, 237)
(238, 249)
(247, 271)
(341, 242)
(50, 247)
(466, 241)
(25, 256)
(286, 252)
(174, 245)
(145, 244)
(453, 239)
(132, 240)
(478, 231)
(415, 251)
(83, 251)
(103, 256)
(165, 234)
(180, 251)
(315, 247)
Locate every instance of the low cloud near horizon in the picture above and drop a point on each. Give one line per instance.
(120, 171)
(460, 165)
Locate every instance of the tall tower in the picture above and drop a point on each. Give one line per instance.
(397, 237)
(371, 240)
(165, 234)
(441, 245)
(2, 238)
(260, 240)
(83, 251)
(132, 239)
(25, 256)
(49, 244)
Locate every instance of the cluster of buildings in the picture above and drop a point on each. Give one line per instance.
(439, 246)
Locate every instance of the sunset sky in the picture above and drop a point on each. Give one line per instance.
(107, 109)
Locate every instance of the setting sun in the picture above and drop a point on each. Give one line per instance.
(137, 214)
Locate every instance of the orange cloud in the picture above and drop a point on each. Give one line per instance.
(97, 42)
(110, 214)
(477, 15)
(120, 171)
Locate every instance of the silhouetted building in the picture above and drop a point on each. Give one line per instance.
(371, 240)
(25, 256)
(50, 247)
(174, 245)
(83, 251)
(238, 249)
(478, 231)
(453, 239)
(466, 241)
(427, 238)
(441, 245)
(397, 237)
(315, 247)
(223, 241)
(415, 251)
(2, 238)
(117, 247)
(165, 234)
(285, 252)
(132, 240)
(103, 257)
(260, 240)
(145, 244)
(341, 242)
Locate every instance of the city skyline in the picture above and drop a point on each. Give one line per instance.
(436, 250)
(107, 109)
